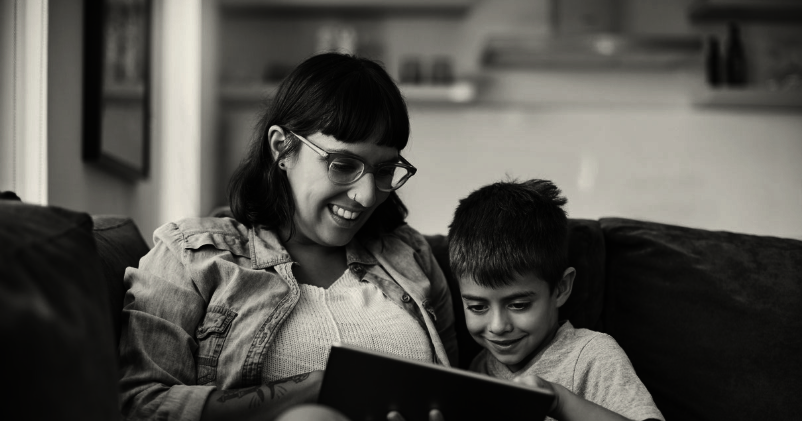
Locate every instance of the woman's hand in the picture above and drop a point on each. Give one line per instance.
(434, 415)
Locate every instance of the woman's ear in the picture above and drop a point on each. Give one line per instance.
(565, 286)
(277, 141)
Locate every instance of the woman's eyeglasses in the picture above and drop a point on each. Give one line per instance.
(346, 169)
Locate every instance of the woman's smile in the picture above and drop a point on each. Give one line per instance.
(328, 213)
(344, 213)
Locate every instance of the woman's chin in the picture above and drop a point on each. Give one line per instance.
(336, 237)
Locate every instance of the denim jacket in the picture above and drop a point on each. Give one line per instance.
(202, 309)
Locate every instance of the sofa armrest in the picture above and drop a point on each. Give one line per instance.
(61, 362)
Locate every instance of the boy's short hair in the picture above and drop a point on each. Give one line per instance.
(510, 227)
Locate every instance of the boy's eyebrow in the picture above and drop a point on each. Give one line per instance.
(517, 295)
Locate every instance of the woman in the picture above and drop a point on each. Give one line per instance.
(233, 318)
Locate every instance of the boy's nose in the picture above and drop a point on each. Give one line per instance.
(499, 323)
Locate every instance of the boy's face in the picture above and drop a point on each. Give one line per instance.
(516, 321)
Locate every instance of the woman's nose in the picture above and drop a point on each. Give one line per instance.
(363, 191)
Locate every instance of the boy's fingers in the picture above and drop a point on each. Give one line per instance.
(533, 381)
(527, 380)
(394, 416)
(436, 415)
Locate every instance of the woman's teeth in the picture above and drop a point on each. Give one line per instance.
(346, 214)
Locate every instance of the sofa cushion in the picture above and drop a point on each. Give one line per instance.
(119, 245)
(710, 320)
(54, 316)
(583, 308)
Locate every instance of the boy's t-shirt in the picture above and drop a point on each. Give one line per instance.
(590, 364)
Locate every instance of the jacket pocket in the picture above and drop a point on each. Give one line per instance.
(211, 335)
(220, 241)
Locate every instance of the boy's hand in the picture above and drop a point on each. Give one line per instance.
(538, 382)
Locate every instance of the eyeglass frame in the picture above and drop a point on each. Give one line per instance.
(367, 168)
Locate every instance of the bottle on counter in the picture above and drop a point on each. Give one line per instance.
(734, 58)
(713, 62)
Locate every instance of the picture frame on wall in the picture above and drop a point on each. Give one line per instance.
(116, 103)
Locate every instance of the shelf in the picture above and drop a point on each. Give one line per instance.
(352, 8)
(460, 92)
(598, 51)
(770, 13)
(747, 97)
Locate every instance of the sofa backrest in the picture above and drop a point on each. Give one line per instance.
(711, 320)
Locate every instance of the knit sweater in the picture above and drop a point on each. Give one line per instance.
(351, 312)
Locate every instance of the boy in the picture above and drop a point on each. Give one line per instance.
(508, 250)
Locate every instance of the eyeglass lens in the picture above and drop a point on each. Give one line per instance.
(347, 170)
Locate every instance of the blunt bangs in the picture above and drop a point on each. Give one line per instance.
(362, 106)
(350, 98)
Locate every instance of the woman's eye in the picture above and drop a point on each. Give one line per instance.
(385, 172)
(519, 306)
(344, 166)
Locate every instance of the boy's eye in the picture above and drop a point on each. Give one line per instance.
(476, 308)
(519, 306)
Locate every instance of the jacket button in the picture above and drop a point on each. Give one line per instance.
(358, 269)
(406, 298)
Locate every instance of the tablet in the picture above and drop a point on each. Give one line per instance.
(365, 385)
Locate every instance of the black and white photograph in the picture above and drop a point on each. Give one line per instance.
(401, 210)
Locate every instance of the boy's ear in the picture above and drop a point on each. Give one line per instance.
(565, 286)
(277, 141)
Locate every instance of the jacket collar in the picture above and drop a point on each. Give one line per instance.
(268, 251)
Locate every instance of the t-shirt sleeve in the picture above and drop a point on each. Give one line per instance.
(604, 375)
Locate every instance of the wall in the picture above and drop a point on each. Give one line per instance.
(183, 114)
(72, 183)
(723, 169)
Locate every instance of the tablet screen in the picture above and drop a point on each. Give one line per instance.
(366, 385)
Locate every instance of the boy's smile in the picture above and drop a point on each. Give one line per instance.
(514, 322)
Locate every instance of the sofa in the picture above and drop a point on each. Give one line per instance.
(711, 320)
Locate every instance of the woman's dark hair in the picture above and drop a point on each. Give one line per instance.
(350, 98)
(510, 227)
